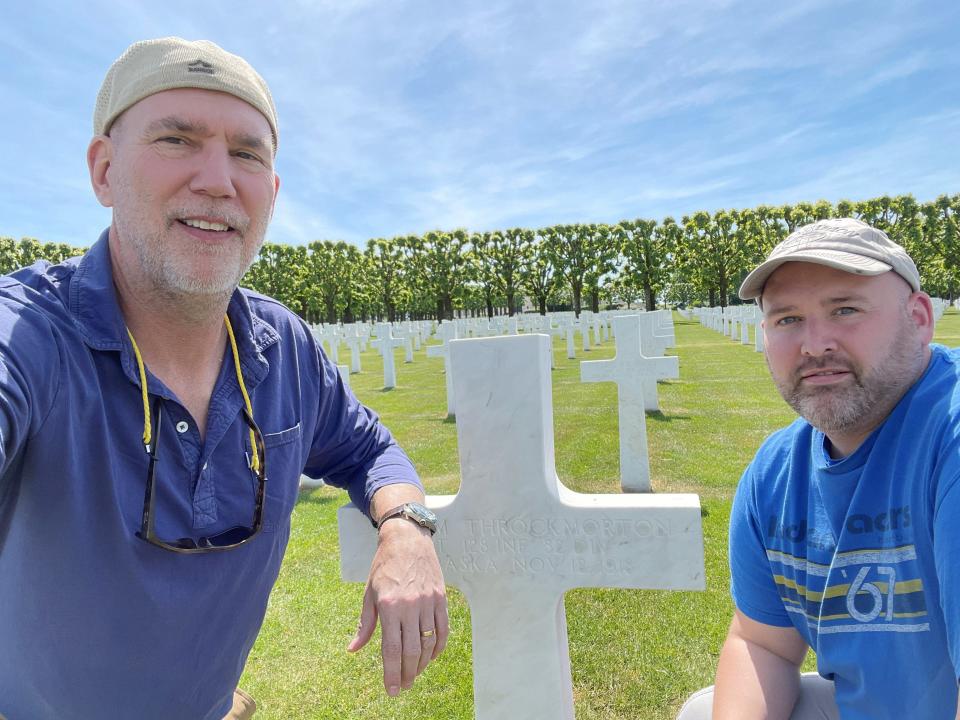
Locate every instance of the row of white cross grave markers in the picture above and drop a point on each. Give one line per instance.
(514, 539)
(735, 321)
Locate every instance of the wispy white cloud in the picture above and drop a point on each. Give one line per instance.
(405, 116)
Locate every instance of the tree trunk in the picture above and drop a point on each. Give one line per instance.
(651, 300)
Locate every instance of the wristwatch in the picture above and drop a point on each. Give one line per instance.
(412, 511)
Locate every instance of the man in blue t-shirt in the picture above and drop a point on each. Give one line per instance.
(843, 532)
(155, 420)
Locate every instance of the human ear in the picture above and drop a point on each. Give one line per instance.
(99, 159)
(920, 311)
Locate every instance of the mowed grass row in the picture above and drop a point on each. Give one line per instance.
(635, 653)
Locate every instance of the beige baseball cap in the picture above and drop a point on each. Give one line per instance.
(152, 66)
(842, 243)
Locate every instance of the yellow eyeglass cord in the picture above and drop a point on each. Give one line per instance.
(147, 426)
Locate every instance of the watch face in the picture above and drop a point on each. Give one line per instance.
(423, 513)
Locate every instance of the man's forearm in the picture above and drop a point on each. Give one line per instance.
(753, 682)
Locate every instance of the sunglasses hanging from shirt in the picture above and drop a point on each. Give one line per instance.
(228, 539)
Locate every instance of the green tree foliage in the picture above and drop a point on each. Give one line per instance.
(17, 254)
(539, 277)
(278, 272)
(439, 262)
(712, 253)
(335, 277)
(580, 254)
(386, 263)
(646, 253)
(941, 239)
(481, 291)
(604, 251)
(504, 256)
(804, 213)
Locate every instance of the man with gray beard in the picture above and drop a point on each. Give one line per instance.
(155, 420)
(843, 531)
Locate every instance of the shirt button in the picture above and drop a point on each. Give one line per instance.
(182, 427)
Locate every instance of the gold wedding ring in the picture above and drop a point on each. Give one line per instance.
(426, 633)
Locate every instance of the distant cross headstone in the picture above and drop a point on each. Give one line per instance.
(448, 332)
(385, 342)
(634, 375)
(547, 328)
(406, 336)
(583, 325)
(331, 336)
(354, 344)
(344, 372)
(515, 539)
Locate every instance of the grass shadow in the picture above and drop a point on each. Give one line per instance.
(660, 417)
(315, 498)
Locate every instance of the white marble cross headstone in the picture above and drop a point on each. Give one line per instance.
(515, 539)
(406, 335)
(354, 344)
(385, 342)
(634, 375)
(651, 343)
(584, 325)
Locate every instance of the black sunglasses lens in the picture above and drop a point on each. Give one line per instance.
(232, 536)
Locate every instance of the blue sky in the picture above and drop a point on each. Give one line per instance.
(403, 117)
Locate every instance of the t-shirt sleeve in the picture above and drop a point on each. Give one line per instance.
(751, 582)
(351, 448)
(946, 551)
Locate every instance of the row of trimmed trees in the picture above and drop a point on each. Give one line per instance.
(702, 259)
(699, 260)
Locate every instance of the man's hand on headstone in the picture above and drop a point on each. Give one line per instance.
(405, 591)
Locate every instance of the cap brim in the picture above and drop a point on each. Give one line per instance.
(754, 283)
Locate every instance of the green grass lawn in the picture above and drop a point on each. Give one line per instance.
(635, 654)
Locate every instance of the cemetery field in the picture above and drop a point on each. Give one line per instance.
(635, 654)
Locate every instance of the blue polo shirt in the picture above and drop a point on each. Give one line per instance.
(94, 622)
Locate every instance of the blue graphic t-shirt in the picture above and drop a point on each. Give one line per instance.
(862, 554)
